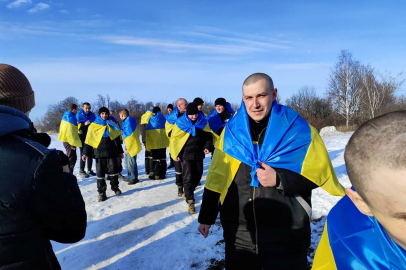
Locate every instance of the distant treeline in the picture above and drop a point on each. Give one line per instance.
(355, 93)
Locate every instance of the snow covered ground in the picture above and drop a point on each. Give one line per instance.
(148, 226)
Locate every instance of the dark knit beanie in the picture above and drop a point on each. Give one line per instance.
(198, 101)
(191, 109)
(104, 109)
(156, 109)
(15, 89)
(220, 101)
(170, 106)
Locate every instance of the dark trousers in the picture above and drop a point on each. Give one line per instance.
(242, 258)
(158, 163)
(107, 166)
(178, 173)
(82, 163)
(192, 171)
(148, 162)
(71, 153)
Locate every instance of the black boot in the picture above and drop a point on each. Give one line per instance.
(102, 197)
(180, 191)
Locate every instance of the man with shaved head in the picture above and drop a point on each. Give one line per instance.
(267, 161)
(374, 210)
(180, 109)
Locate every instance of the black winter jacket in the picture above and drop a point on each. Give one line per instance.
(107, 148)
(265, 220)
(195, 145)
(38, 202)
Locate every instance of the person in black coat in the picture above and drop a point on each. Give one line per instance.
(85, 117)
(38, 202)
(106, 154)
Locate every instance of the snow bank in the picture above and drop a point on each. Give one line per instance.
(330, 130)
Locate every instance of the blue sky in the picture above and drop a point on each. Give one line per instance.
(162, 50)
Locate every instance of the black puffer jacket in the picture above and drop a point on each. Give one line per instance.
(107, 148)
(265, 220)
(195, 145)
(38, 202)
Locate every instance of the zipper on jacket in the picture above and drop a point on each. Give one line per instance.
(255, 222)
(253, 206)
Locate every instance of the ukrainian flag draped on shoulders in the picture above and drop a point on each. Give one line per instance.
(170, 120)
(146, 116)
(68, 130)
(155, 134)
(215, 121)
(352, 240)
(114, 120)
(131, 136)
(182, 129)
(289, 143)
(101, 128)
(82, 117)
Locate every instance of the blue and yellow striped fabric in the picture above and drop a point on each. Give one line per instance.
(68, 130)
(170, 120)
(155, 134)
(82, 117)
(101, 128)
(131, 136)
(182, 129)
(352, 240)
(289, 143)
(146, 116)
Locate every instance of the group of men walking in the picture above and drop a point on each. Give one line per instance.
(186, 130)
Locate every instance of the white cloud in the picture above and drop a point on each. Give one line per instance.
(38, 7)
(64, 11)
(18, 3)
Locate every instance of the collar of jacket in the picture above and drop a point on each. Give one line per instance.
(12, 120)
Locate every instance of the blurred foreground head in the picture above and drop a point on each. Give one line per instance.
(15, 89)
(375, 158)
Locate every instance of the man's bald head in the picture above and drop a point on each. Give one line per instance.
(259, 76)
(378, 144)
(181, 103)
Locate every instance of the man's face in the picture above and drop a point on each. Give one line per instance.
(169, 110)
(200, 107)
(104, 116)
(258, 99)
(220, 108)
(86, 108)
(182, 106)
(387, 201)
(193, 117)
(122, 116)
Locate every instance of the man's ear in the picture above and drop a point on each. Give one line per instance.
(275, 92)
(358, 202)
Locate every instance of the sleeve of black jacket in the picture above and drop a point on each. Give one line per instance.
(58, 204)
(119, 145)
(143, 129)
(209, 140)
(210, 207)
(293, 183)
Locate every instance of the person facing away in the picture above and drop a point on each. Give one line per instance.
(366, 229)
(85, 117)
(68, 134)
(264, 189)
(156, 143)
(131, 137)
(169, 110)
(38, 202)
(178, 112)
(103, 143)
(143, 128)
(191, 139)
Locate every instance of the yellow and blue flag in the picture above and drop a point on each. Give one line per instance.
(131, 136)
(82, 117)
(215, 121)
(146, 116)
(101, 128)
(155, 133)
(289, 143)
(114, 120)
(182, 129)
(352, 240)
(171, 119)
(68, 130)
